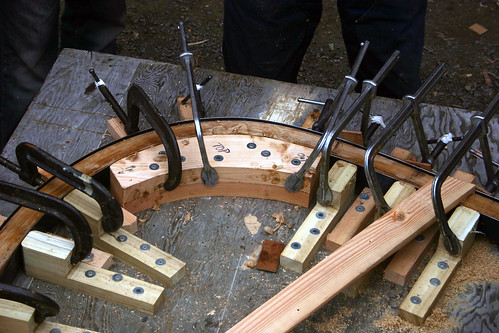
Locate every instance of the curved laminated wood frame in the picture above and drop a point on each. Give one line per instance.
(23, 220)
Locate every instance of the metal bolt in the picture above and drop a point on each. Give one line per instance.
(138, 290)
(295, 245)
(182, 158)
(315, 231)
(218, 158)
(364, 196)
(295, 161)
(162, 152)
(154, 166)
(160, 262)
(55, 330)
(434, 282)
(265, 153)
(145, 247)
(419, 238)
(121, 238)
(90, 273)
(320, 215)
(251, 145)
(360, 208)
(117, 277)
(415, 299)
(90, 256)
(442, 265)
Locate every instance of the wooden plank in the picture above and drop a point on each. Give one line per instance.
(16, 317)
(356, 218)
(132, 250)
(403, 264)
(43, 259)
(363, 252)
(427, 290)
(311, 234)
(136, 183)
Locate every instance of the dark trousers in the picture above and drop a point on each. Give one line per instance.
(29, 42)
(269, 38)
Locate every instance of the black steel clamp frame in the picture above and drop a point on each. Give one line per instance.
(57, 208)
(324, 194)
(30, 156)
(139, 102)
(478, 130)
(410, 106)
(44, 306)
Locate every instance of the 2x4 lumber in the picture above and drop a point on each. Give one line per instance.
(243, 163)
(362, 253)
(429, 286)
(357, 217)
(16, 317)
(184, 110)
(43, 259)
(405, 261)
(23, 220)
(311, 234)
(132, 250)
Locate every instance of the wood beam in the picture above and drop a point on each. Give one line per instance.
(363, 252)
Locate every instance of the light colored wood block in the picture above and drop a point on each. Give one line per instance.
(357, 217)
(132, 250)
(403, 264)
(308, 238)
(352, 136)
(16, 317)
(184, 110)
(402, 154)
(130, 222)
(99, 259)
(47, 327)
(116, 128)
(37, 250)
(363, 252)
(137, 182)
(429, 286)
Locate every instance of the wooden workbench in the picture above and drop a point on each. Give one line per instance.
(68, 119)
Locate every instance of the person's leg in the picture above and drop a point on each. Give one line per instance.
(28, 49)
(92, 24)
(268, 38)
(389, 26)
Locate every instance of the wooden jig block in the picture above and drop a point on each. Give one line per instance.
(184, 110)
(132, 250)
(405, 261)
(47, 257)
(268, 260)
(99, 258)
(247, 165)
(429, 286)
(116, 128)
(308, 238)
(362, 253)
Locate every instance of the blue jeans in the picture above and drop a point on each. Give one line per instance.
(29, 38)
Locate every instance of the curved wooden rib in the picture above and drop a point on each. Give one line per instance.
(23, 220)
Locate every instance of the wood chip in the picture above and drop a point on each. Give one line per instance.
(478, 28)
(252, 224)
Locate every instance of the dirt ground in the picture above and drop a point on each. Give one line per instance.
(470, 83)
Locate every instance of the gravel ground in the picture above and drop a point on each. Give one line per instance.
(470, 83)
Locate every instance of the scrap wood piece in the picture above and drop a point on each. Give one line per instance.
(268, 260)
(47, 257)
(132, 250)
(308, 238)
(403, 264)
(363, 252)
(429, 286)
(312, 117)
(478, 28)
(252, 223)
(116, 128)
(99, 258)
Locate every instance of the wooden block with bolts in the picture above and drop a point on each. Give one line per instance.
(362, 253)
(308, 238)
(47, 257)
(429, 286)
(132, 250)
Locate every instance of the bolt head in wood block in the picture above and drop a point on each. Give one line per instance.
(16, 317)
(269, 256)
(243, 163)
(46, 254)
